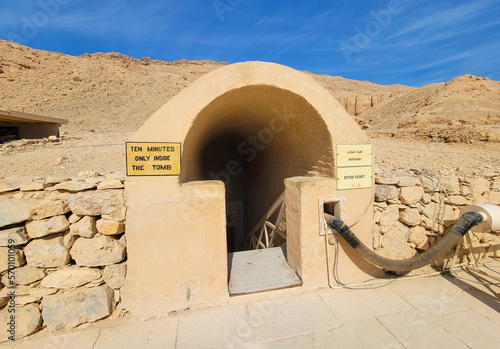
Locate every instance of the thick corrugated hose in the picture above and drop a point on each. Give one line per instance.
(459, 229)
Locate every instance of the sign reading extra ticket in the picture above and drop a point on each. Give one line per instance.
(153, 159)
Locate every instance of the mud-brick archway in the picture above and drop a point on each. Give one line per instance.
(252, 125)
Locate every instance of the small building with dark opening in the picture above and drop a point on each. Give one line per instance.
(17, 125)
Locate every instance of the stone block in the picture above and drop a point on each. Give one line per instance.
(25, 300)
(396, 243)
(108, 227)
(436, 197)
(448, 216)
(34, 186)
(465, 191)
(101, 202)
(13, 183)
(376, 237)
(69, 239)
(14, 256)
(74, 218)
(89, 174)
(388, 218)
(123, 240)
(419, 237)
(24, 276)
(431, 185)
(386, 180)
(114, 275)
(380, 205)
(119, 175)
(431, 210)
(14, 211)
(426, 199)
(41, 228)
(50, 208)
(457, 200)
(450, 185)
(410, 217)
(432, 225)
(70, 277)
(64, 311)
(488, 238)
(99, 251)
(411, 195)
(85, 227)
(385, 192)
(478, 186)
(41, 292)
(56, 180)
(21, 290)
(74, 186)
(13, 236)
(111, 184)
(28, 321)
(408, 182)
(47, 252)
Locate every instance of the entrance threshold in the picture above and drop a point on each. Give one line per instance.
(260, 270)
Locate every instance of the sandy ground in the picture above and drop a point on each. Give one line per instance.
(104, 153)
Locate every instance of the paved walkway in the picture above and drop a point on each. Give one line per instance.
(432, 312)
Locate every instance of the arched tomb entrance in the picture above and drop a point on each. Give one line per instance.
(245, 133)
(253, 138)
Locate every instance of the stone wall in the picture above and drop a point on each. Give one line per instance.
(412, 212)
(62, 251)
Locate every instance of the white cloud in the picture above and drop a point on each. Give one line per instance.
(445, 18)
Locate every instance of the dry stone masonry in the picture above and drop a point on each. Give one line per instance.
(413, 210)
(62, 251)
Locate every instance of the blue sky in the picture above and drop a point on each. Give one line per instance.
(413, 42)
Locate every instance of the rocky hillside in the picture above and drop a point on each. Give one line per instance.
(359, 96)
(465, 109)
(94, 92)
(110, 90)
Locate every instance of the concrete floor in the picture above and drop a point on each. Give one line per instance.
(424, 312)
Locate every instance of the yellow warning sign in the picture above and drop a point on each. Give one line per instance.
(153, 159)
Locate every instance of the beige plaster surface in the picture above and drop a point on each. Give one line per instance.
(306, 247)
(176, 244)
